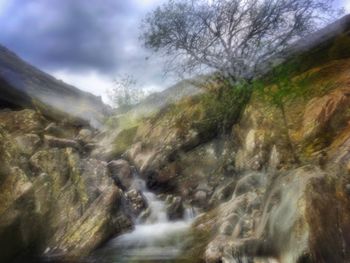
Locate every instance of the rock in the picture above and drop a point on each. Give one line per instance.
(85, 135)
(24, 121)
(54, 130)
(200, 198)
(174, 207)
(137, 202)
(28, 143)
(226, 228)
(101, 221)
(215, 250)
(89, 147)
(347, 189)
(61, 143)
(121, 173)
(223, 193)
(145, 214)
(320, 111)
(249, 182)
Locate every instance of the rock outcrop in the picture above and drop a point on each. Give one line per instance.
(55, 201)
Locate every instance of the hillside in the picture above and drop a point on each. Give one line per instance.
(23, 85)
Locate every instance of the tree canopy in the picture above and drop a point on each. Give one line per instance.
(232, 37)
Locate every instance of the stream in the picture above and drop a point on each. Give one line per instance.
(155, 240)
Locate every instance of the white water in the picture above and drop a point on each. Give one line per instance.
(156, 240)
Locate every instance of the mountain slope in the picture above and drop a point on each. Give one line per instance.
(22, 85)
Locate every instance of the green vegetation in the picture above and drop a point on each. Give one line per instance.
(211, 112)
(123, 141)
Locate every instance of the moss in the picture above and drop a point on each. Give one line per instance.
(124, 140)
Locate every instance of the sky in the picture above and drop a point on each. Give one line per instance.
(86, 43)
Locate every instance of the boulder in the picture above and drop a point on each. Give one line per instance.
(174, 207)
(100, 221)
(121, 173)
(85, 135)
(28, 143)
(200, 198)
(61, 143)
(54, 130)
(137, 202)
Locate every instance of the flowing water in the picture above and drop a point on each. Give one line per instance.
(156, 240)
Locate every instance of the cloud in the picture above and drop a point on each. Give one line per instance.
(78, 35)
(85, 43)
(347, 6)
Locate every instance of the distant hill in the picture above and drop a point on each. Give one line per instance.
(23, 85)
(158, 100)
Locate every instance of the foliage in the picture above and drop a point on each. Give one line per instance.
(125, 92)
(340, 48)
(229, 36)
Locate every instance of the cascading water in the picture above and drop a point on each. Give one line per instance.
(155, 240)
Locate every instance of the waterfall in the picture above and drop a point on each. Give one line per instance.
(156, 239)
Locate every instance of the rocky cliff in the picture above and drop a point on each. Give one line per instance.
(55, 200)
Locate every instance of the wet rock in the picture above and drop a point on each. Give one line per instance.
(28, 143)
(121, 173)
(174, 207)
(145, 214)
(137, 202)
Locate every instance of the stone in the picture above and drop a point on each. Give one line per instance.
(28, 143)
(347, 189)
(174, 207)
(226, 228)
(85, 135)
(200, 198)
(137, 201)
(121, 173)
(52, 141)
(54, 130)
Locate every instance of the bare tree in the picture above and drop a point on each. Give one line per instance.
(125, 92)
(229, 36)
